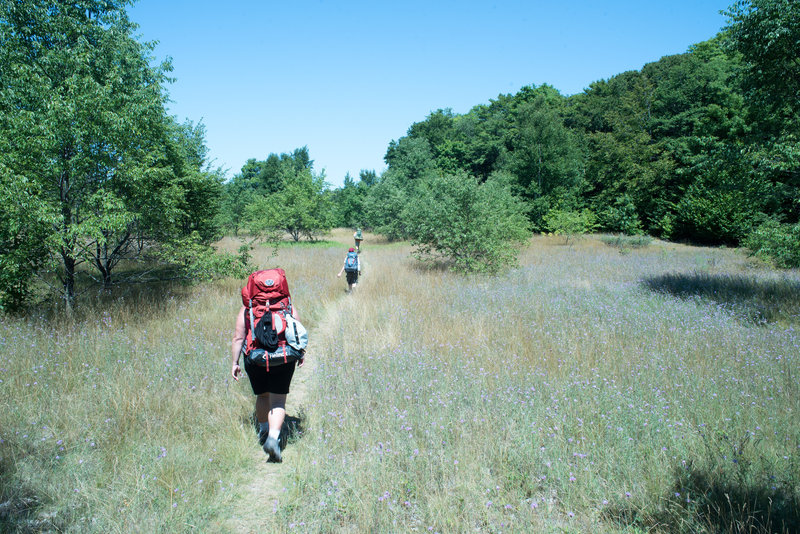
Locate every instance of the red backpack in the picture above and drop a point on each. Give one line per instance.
(268, 302)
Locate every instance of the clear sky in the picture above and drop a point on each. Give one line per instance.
(346, 77)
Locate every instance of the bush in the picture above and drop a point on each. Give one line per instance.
(24, 229)
(776, 243)
(622, 217)
(384, 205)
(473, 227)
(721, 206)
(193, 261)
(569, 223)
(624, 242)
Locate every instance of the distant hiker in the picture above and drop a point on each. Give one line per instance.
(358, 238)
(271, 340)
(352, 268)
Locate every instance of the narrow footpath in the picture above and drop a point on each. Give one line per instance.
(267, 481)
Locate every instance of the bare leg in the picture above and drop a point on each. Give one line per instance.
(271, 408)
(277, 411)
(262, 407)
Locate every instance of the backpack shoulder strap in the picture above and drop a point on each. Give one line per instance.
(252, 319)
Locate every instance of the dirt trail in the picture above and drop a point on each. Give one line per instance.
(267, 480)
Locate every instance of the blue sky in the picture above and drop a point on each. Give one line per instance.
(346, 77)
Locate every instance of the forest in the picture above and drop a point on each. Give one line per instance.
(101, 186)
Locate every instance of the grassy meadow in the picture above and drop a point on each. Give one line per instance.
(592, 389)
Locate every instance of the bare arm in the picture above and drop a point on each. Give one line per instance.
(236, 345)
(296, 315)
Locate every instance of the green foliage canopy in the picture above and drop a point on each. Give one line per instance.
(700, 146)
(349, 200)
(471, 226)
(384, 204)
(87, 140)
(766, 33)
(569, 223)
(299, 206)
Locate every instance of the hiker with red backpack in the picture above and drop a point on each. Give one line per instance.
(271, 340)
(352, 268)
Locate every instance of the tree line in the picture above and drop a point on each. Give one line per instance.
(701, 146)
(98, 181)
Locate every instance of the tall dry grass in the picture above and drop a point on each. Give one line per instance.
(585, 391)
(127, 421)
(567, 395)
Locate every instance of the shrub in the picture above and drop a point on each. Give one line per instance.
(193, 261)
(570, 223)
(473, 227)
(622, 217)
(384, 205)
(624, 242)
(776, 243)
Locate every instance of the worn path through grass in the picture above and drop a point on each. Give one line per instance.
(267, 481)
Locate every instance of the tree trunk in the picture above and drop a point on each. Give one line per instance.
(69, 283)
(103, 263)
(68, 246)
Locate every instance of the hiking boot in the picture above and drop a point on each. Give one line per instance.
(272, 448)
(262, 437)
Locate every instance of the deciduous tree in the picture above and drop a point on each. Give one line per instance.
(471, 226)
(301, 208)
(82, 116)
